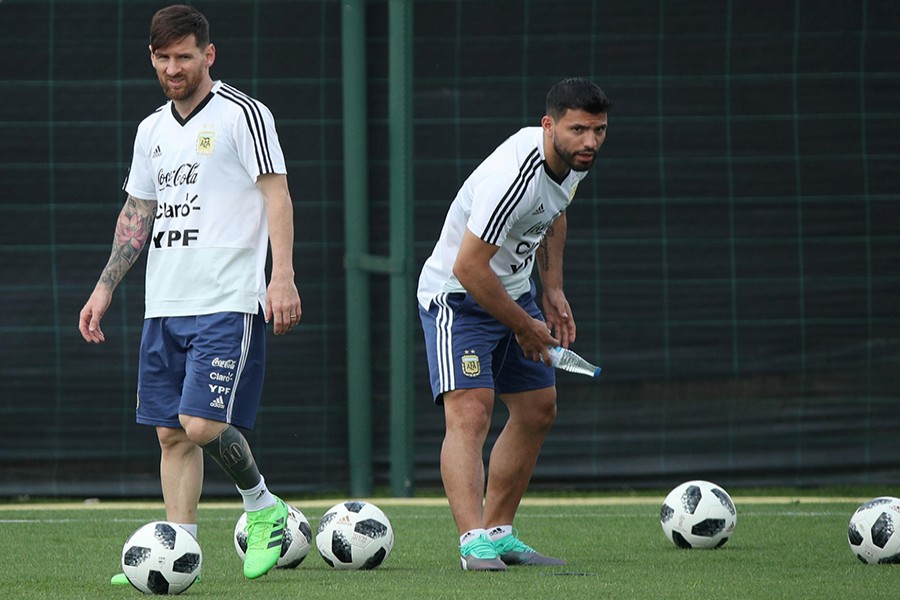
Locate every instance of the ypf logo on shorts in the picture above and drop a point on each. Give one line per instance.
(471, 365)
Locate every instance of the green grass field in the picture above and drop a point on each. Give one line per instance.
(782, 548)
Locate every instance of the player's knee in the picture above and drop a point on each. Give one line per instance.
(199, 430)
(541, 412)
(171, 438)
(547, 413)
(468, 413)
(474, 424)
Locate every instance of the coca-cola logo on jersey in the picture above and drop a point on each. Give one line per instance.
(185, 174)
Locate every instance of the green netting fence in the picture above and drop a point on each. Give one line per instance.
(733, 259)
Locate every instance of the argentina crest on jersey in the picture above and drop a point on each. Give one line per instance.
(573, 190)
(206, 141)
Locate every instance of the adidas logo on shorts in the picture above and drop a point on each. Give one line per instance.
(218, 403)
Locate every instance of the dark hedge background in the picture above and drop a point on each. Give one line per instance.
(733, 259)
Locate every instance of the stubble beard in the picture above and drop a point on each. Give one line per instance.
(188, 90)
(571, 159)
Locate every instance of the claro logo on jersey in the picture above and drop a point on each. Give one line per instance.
(174, 211)
(185, 174)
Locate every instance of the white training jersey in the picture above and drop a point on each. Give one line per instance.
(509, 201)
(210, 237)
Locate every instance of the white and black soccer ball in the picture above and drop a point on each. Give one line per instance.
(294, 545)
(873, 532)
(161, 558)
(354, 535)
(698, 514)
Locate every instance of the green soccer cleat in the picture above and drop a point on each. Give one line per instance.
(265, 531)
(513, 551)
(480, 555)
(122, 579)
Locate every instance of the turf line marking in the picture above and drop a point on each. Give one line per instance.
(94, 504)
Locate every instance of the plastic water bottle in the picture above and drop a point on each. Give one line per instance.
(565, 359)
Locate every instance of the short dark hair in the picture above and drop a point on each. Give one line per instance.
(576, 93)
(174, 23)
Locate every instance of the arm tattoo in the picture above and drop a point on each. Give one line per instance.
(544, 255)
(132, 232)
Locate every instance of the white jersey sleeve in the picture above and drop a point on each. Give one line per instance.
(499, 197)
(254, 136)
(140, 181)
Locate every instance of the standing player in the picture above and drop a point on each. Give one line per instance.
(484, 333)
(208, 180)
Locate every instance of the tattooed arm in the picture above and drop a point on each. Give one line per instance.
(550, 266)
(132, 232)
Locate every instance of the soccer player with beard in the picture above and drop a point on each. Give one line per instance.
(208, 179)
(484, 334)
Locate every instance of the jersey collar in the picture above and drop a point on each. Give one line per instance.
(196, 110)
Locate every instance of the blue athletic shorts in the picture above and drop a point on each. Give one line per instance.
(468, 348)
(209, 366)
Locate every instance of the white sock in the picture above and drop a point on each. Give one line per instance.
(257, 498)
(191, 528)
(498, 532)
(470, 535)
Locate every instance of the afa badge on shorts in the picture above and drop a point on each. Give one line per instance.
(471, 366)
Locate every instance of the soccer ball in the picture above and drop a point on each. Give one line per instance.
(161, 558)
(294, 545)
(872, 532)
(698, 514)
(354, 535)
